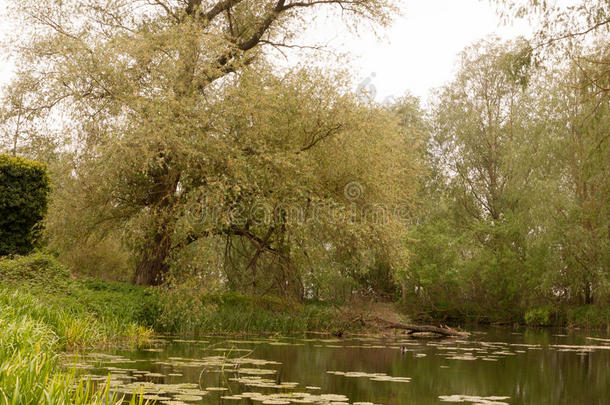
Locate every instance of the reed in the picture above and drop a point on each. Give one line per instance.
(31, 336)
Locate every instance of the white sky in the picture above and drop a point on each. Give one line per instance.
(417, 53)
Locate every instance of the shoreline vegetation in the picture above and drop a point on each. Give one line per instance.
(114, 306)
(41, 318)
(45, 311)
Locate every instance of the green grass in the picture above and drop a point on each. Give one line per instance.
(192, 312)
(115, 306)
(32, 334)
(38, 270)
(43, 312)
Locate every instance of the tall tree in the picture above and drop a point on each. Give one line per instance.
(579, 124)
(169, 103)
(471, 240)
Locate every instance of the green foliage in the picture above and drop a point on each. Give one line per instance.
(513, 213)
(43, 311)
(80, 312)
(116, 304)
(117, 300)
(540, 316)
(586, 316)
(470, 253)
(228, 173)
(39, 270)
(189, 311)
(24, 188)
(100, 256)
(176, 136)
(31, 333)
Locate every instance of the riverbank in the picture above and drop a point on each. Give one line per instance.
(44, 312)
(121, 308)
(32, 335)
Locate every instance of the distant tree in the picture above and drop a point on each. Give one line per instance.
(24, 187)
(579, 127)
(514, 208)
(571, 45)
(470, 243)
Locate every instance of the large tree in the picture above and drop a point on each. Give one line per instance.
(578, 122)
(172, 109)
(473, 233)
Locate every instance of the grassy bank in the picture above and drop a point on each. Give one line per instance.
(121, 308)
(195, 312)
(42, 313)
(32, 334)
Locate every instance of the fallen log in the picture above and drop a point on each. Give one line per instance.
(442, 330)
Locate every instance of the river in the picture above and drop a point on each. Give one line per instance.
(493, 366)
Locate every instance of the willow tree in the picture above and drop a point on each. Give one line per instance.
(173, 109)
(473, 237)
(556, 21)
(578, 118)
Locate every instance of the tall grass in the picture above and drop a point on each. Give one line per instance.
(193, 312)
(31, 335)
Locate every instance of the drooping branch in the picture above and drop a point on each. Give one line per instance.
(239, 45)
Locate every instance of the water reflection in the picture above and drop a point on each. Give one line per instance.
(495, 366)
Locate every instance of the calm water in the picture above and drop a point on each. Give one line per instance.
(496, 366)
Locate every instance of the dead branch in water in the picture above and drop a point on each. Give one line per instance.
(442, 330)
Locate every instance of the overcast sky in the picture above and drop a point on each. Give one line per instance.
(420, 50)
(416, 54)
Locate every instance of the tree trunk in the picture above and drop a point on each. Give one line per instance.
(439, 330)
(153, 267)
(291, 280)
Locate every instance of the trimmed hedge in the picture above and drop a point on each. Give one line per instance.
(24, 191)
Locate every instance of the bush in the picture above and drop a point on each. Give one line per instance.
(538, 317)
(117, 300)
(38, 270)
(587, 316)
(24, 189)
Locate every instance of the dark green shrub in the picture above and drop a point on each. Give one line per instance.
(110, 299)
(587, 316)
(24, 189)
